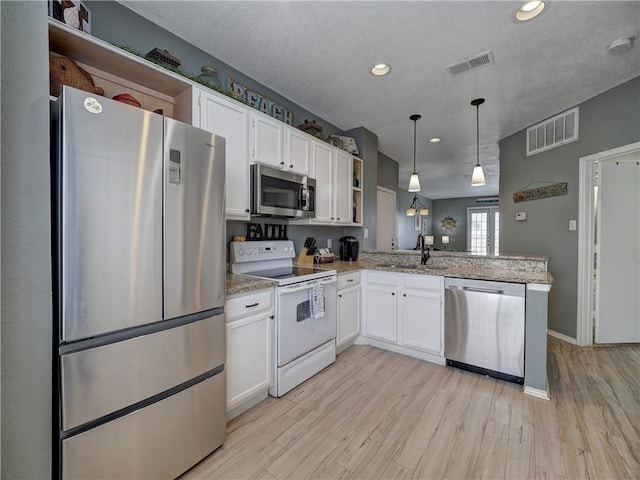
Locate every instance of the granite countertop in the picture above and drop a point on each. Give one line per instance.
(450, 253)
(237, 284)
(499, 275)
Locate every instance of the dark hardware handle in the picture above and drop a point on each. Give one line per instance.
(404, 294)
(252, 305)
(282, 163)
(246, 210)
(350, 280)
(393, 294)
(272, 317)
(340, 295)
(291, 166)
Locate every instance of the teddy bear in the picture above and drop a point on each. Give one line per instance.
(64, 71)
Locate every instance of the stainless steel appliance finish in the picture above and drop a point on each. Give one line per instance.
(305, 342)
(139, 291)
(280, 193)
(194, 223)
(160, 441)
(484, 327)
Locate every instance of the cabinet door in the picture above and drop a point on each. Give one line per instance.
(343, 181)
(249, 357)
(348, 314)
(420, 320)
(231, 121)
(322, 169)
(267, 140)
(298, 151)
(381, 312)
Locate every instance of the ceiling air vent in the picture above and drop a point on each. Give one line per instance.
(551, 133)
(470, 63)
(488, 200)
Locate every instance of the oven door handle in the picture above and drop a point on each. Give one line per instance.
(306, 286)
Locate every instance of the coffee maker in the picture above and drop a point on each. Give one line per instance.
(349, 247)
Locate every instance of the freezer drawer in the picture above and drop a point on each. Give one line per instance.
(160, 441)
(104, 379)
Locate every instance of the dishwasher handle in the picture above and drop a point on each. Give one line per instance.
(483, 290)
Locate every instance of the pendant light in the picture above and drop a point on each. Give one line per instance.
(477, 178)
(414, 181)
(417, 207)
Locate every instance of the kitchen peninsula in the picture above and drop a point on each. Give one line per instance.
(517, 269)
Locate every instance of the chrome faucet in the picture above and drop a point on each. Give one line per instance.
(424, 251)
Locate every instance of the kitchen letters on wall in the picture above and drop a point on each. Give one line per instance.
(260, 102)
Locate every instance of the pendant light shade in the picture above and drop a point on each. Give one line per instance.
(417, 207)
(477, 178)
(414, 181)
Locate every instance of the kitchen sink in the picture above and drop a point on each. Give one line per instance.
(411, 266)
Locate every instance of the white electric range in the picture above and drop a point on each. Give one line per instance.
(306, 309)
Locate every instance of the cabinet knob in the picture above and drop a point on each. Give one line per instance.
(291, 166)
(404, 294)
(272, 317)
(246, 210)
(340, 295)
(393, 294)
(282, 163)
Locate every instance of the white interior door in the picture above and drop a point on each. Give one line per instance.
(618, 250)
(386, 230)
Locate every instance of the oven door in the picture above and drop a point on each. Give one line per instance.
(297, 330)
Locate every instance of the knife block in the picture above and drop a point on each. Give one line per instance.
(304, 259)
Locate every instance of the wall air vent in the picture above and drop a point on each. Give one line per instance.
(487, 200)
(553, 132)
(470, 63)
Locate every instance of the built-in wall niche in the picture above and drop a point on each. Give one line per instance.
(117, 71)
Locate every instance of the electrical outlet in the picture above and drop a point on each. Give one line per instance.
(572, 225)
(328, 243)
(366, 233)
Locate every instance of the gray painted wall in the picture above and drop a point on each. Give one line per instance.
(387, 172)
(25, 317)
(608, 120)
(115, 23)
(456, 208)
(367, 142)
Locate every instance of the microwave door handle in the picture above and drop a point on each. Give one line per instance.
(302, 198)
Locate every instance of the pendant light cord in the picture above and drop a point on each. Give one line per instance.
(477, 135)
(415, 122)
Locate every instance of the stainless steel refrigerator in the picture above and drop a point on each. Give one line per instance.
(139, 290)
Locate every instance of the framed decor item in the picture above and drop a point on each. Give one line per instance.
(71, 12)
(417, 222)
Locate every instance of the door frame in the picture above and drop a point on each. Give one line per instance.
(586, 246)
(491, 226)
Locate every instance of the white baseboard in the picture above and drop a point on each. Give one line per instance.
(563, 337)
(536, 392)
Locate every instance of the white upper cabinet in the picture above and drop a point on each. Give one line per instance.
(231, 121)
(322, 170)
(297, 151)
(267, 140)
(343, 180)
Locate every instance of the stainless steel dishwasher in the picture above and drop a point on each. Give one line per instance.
(484, 327)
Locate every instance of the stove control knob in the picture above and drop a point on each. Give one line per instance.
(240, 251)
(249, 251)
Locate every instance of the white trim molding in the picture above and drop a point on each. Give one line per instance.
(536, 392)
(586, 229)
(539, 287)
(562, 336)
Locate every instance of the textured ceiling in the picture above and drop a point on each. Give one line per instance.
(318, 54)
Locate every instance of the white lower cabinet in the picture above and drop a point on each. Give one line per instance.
(249, 364)
(404, 313)
(348, 309)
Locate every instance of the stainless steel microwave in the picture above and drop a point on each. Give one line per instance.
(278, 193)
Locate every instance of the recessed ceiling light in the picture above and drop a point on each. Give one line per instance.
(620, 45)
(380, 69)
(529, 10)
(434, 140)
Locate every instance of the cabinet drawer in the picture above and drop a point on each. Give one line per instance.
(249, 304)
(423, 282)
(350, 279)
(382, 278)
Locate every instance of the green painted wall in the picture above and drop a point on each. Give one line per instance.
(609, 120)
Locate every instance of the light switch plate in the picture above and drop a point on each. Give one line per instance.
(572, 225)
(328, 243)
(366, 233)
(521, 216)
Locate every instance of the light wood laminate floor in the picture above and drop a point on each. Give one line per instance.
(378, 414)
